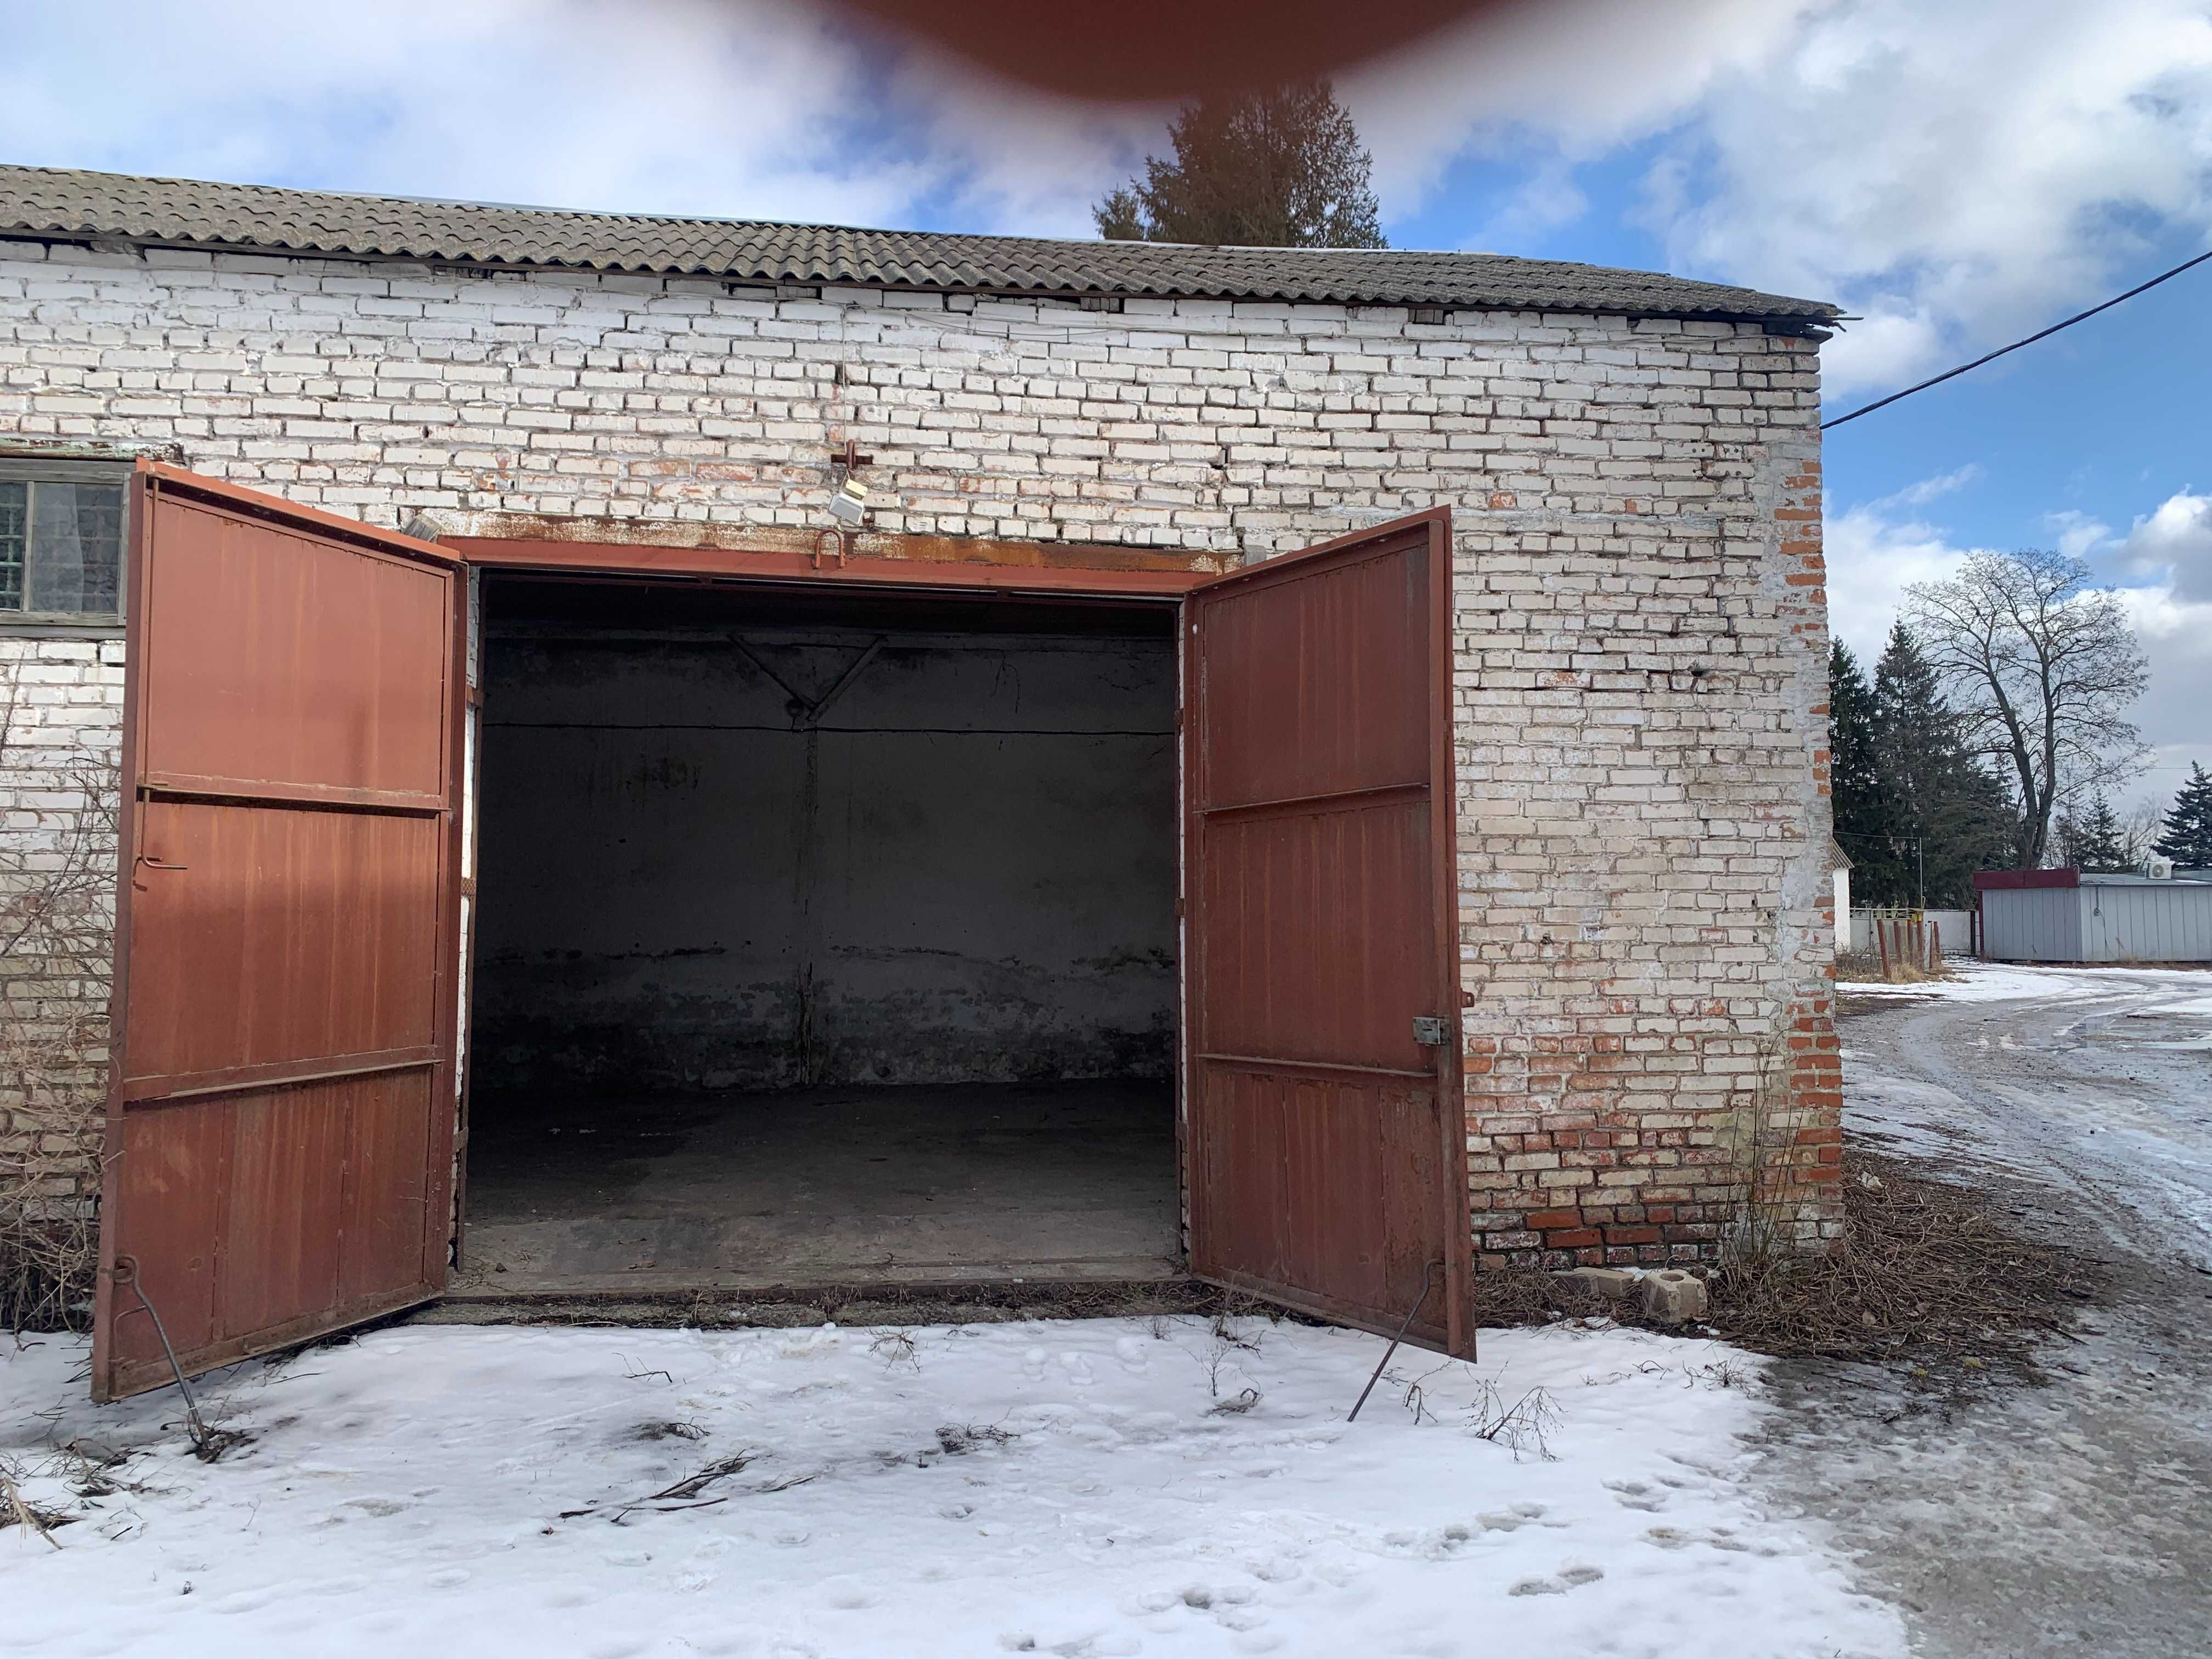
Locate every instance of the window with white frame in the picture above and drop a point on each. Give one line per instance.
(61, 542)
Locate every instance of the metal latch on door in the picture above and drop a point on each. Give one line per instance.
(1431, 1031)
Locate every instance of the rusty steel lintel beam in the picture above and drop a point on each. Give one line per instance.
(871, 558)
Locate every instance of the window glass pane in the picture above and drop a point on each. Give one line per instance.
(77, 547)
(14, 509)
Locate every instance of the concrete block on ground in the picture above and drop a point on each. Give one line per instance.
(1672, 1295)
(1618, 1283)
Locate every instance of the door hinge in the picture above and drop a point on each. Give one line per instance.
(1431, 1031)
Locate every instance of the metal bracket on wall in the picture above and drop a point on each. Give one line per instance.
(1432, 1032)
(805, 718)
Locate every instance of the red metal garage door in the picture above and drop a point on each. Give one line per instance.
(281, 1106)
(1324, 1123)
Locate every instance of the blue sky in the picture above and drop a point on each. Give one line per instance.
(1956, 174)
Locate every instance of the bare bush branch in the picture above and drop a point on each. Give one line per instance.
(57, 922)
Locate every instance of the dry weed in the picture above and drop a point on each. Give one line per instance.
(894, 1348)
(1520, 1427)
(1931, 1273)
(1931, 1276)
(56, 910)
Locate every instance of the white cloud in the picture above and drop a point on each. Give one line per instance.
(1955, 174)
(1871, 558)
(1928, 489)
(1873, 555)
(2171, 545)
(749, 108)
(2176, 540)
(2176, 632)
(1584, 78)
(1940, 160)
(2078, 534)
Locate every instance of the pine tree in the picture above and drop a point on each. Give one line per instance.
(2094, 841)
(1861, 809)
(1280, 168)
(1947, 816)
(2186, 836)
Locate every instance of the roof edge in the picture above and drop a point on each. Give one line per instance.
(1786, 323)
(109, 209)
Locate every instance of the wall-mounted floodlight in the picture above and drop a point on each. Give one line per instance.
(849, 502)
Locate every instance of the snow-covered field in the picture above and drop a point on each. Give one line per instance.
(1085, 1488)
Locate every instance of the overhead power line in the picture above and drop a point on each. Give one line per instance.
(1954, 373)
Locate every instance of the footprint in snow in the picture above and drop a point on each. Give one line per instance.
(1130, 1352)
(1635, 1495)
(251, 1600)
(1078, 1367)
(1567, 1578)
(1446, 1541)
(723, 1643)
(447, 1578)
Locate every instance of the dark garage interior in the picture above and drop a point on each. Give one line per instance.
(823, 937)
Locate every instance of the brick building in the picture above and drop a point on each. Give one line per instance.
(941, 742)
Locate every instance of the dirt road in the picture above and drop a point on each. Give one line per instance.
(2075, 1518)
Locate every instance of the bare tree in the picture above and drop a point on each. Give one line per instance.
(2140, 826)
(2042, 667)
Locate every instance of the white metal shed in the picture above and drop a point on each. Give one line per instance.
(2067, 915)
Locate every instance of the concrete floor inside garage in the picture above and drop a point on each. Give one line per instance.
(915, 1184)
(823, 940)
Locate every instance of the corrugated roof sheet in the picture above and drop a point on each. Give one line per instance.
(68, 205)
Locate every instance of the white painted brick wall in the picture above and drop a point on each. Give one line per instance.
(1641, 644)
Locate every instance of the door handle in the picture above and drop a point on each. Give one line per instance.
(150, 861)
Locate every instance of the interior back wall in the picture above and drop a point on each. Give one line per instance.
(963, 869)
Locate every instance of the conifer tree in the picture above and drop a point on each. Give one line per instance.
(2186, 834)
(1861, 810)
(2094, 841)
(1947, 814)
(1279, 169)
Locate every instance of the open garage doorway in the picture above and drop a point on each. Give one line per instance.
(827, 923)
(824, 938)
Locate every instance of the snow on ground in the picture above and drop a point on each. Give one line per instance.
(1084, 1488)
(2067, 1518)
(1995, 982)
(2097, 1081)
